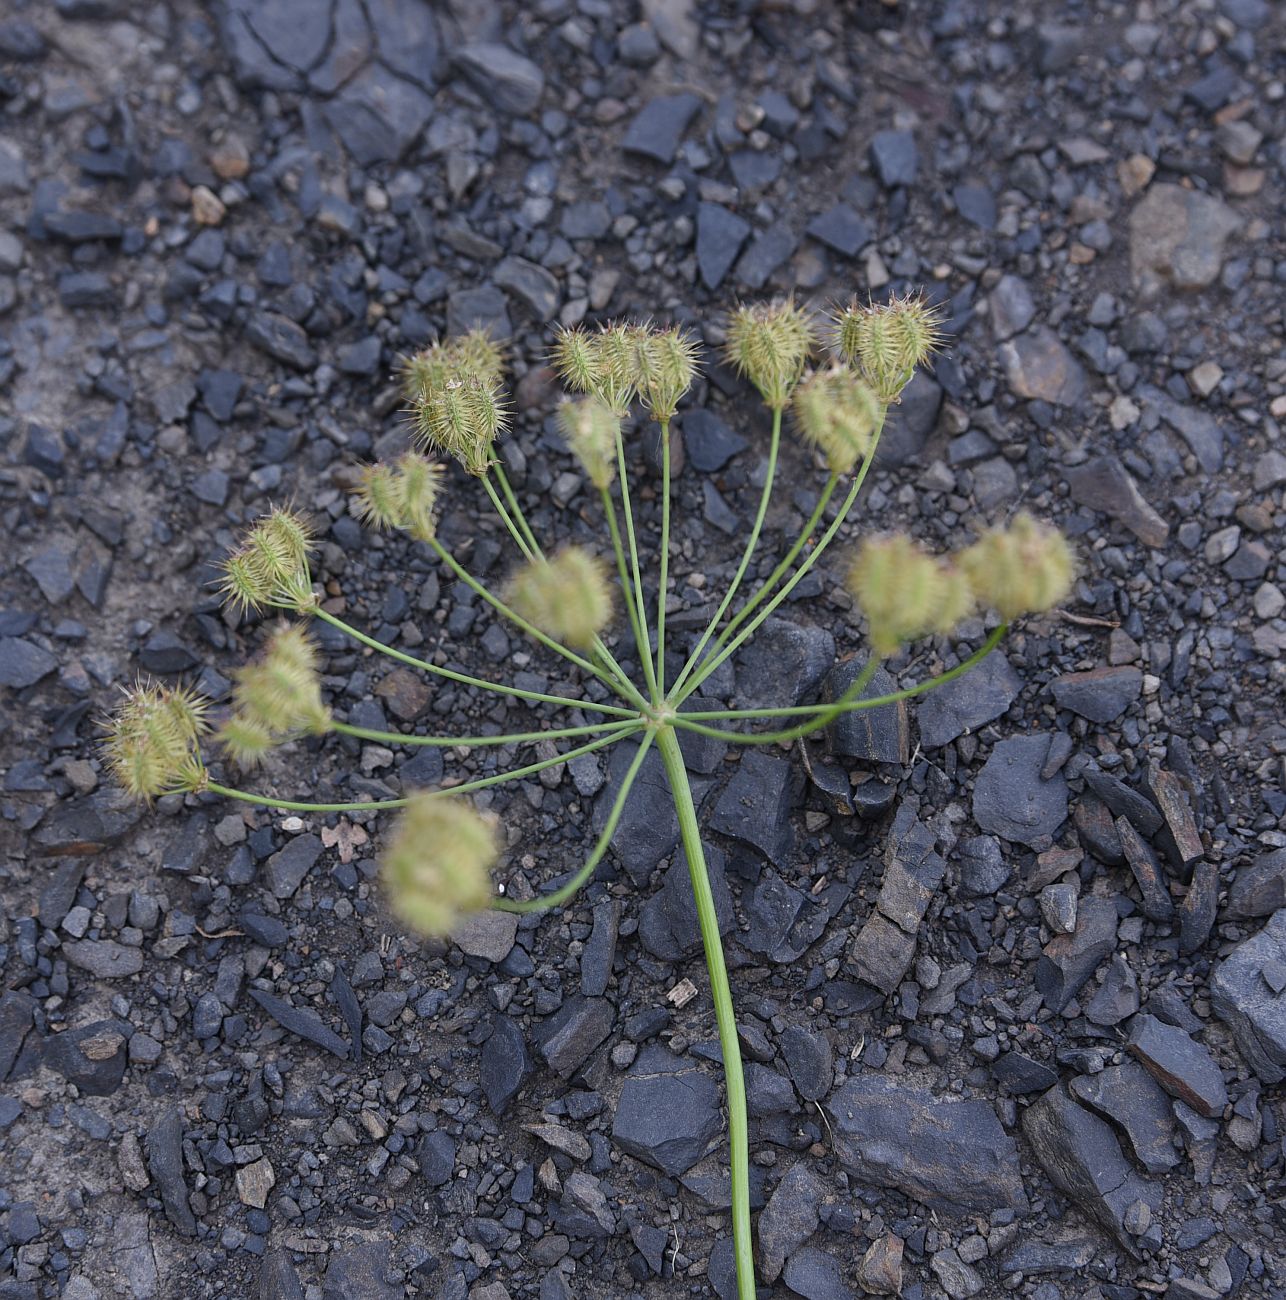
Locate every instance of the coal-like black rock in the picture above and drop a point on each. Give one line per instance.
(302, 1021)
(504, 1064)
(877, 735)
(789, 1219)
(1181, 1065)
(950, 1155)
(810, 1058)
(1259, 887)
(658, 127)
(165, 1163)
(720, 236)
(668, 925)
(1128, 1096)
(568, 1037)
(755, 805)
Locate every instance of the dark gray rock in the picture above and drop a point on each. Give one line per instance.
(1021, 1075)
(93, 1057)
(782, 664)
(278, 1279)
(360, 1272)
(1117, 998)
(1258, 888)
(815, 1275)
(842, 229)
(1124, 801)
(285, 870)
(648, 831)
(23, 663)
(668, 1114)
(1067, 1254)
(968, 702)
(571, 1034)
(1178, 837)
(378, 118)
(1179, 1064)
(755, 806)
(877, 735)
(976, 204)
(407, 38)
(810, 1058)
(104, 958)
(658, 127)
(911, 421)
(1010, 799)
(509, 81)
(668, 926)
(782, 921)
(720, 235)
(436, 1157)
(1105, 485)
(1040, 368)
(504, 1064)
(951, 1155)
(1012, 308)
(16, 1011)
(983, 869)
(1069, 960)
(1157, 903)
(281, 339)
(165, 1162)
(881, 953)
(304, 1022)
(767, 251)
(895, 157)
(1131, 1099)
(484, 308)
(1101, 694)
(1083, 1159)
(1198, 908)
(600, 948)
(789, 1219)
(533, 284)
(709, 441)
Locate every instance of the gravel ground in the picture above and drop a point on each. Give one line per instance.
(1010, 965)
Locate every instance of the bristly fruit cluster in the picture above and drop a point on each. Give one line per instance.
(569, 596)
(269, 570)
(153, 744)
(620, 363)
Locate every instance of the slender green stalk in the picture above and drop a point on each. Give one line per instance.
(734, 1080)
(713, 661)
(451, 742)
(482, 783)
(665, 558)
(463, 679)
(520, 530)
(645, 650)
(823, 714)
(786, 561)
(622, 568)
(746, 555)
(607, 678)
(566, 891)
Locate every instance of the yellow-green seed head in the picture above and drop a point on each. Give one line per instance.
(246, 742)
(280, 693)
(270, 567)
(437, 866)
(667, 365)
(591, 428)
(904, 591)
(568, 597)
(471, 356)
(1025, 568)
(576, 359)
(463, 419)
(402, 495)
(838, 414)
(769, 343)
(619, 371)
(153, 740)
(886, 341)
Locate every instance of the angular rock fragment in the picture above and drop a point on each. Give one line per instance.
(810, 1058)
(1157, 903)
(668, 924)
(789, 1218)
(1177, 236)
(755, 805)
(880, 1272)
(1258, 889)
(304, 1022)
(572, 1033)
(950, 1155)
(1178, 837)
(968, 702)
(1197, 911)
(1012, 800)
(1101, 695)
(504, 1064)
(1104, 484)
(1070, 959)
(165, 1161)
(668, 1114)
(1180, 1064)
(879, 735)
(1131, 1099)
(1083, 1159)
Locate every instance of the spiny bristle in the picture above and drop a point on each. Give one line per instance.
(667, 365)
(769, 343)
(152, 745)
(437, 866)
(591, 429)
(401, 496)
(469, 356)
(576, 358)
(1026, 568)
(463, 419)
(270, 567)
(567, 597)
(887, 341)
(839, 415)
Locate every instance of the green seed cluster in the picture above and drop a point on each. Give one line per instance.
(886, 341)
(591, 428)
(153, 740)
(270, 567)
(455, 400)
(402, 495)
(770, 343)
(568, 597)
(619, 363)
(838, 413)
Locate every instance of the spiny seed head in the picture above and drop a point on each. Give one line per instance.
(270, 567)
(437, 866)
(153, 740)
(463, 419)
(276, 697)
(617, 384)
(246, 742)
(567, 597)
(470, 356)
(1025, 568)
(905, 592)
(402, 495)
(591, 428)
(667, 365)
(838, 414)
(576, 358)
(888, 340)
(769, 342)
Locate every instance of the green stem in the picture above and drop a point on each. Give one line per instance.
(526, 542)
(734, 1081)
(828, 536)
(566, 891)
(824, 714)
(746, 556)
(463, 679)
(622, 569)
(365, 805)
(517, 619)
(665, 558)
(645, 650)
(450, 742)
